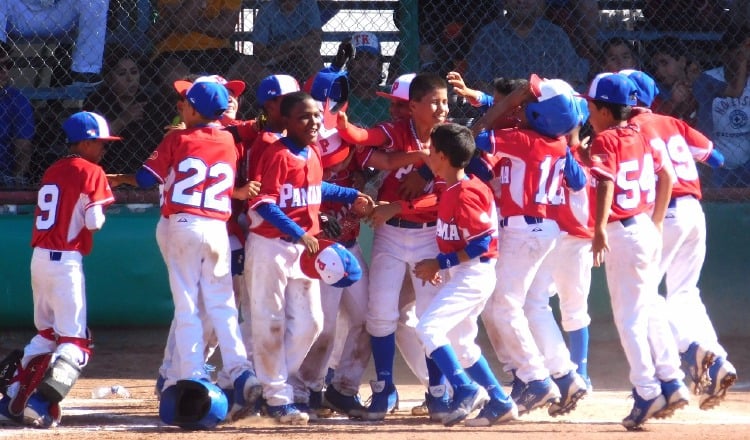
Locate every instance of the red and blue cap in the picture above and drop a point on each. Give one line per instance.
(333, 264)
(210, 99)
(644, 84)
(84, 126)
(235, 86)
(400, 88)
(614, 88)
(274, 86)
(556, 111)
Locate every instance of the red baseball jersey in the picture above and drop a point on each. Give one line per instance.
(203, 160)
(679, 142)
(69, 187)
(575, 215)
(530, 172)
(466, 211)
(402, 138)
(292, 182)
(622, 155)
(261, 143)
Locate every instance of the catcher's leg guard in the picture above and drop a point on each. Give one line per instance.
(61, 375)
(29, 378)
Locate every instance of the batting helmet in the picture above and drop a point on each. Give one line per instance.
(193, 404)
(646, 89)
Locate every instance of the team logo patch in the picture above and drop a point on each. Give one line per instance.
(738, 119)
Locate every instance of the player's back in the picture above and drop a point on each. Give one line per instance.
(679, 142)
(204, 161)
(623, 156)
(68, 188)
(530, 172)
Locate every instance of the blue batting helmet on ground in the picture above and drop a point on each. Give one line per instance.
(193, 404)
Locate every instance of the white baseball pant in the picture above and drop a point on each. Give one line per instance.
(285, 313)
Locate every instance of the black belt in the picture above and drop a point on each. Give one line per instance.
(55, 256)
(527, 218)
(399, 223)
(630, 221)
(484, 259)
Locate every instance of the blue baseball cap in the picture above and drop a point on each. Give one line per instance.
(83, 126)
(331, 88)
(273, 86)
(333, 264)
(210, 99)
(644, 84)
(614, 88)
(555, 112)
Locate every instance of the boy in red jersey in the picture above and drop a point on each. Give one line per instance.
(70, 208)
(684, 244)
(625, 167)
(199, 163)
(467, 240)
(284, 223)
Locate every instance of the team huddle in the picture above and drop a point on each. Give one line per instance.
(259, 231)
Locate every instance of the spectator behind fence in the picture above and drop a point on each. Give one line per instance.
(86, 19)
(287, 36)
(132, 112)
(676, 70)
(365, 75)
(580, 21)
(16, 128)
(198, 33)
(619, 54)
(522, 43)
(723, 96)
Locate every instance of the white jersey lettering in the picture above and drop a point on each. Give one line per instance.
(291, 197)
(447, 231)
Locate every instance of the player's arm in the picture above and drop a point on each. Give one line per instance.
(385, 211)
(246, 191)
(383, 161)
(515, 99)
(354, 135)
(575, 177)
(664, 182)
(605, 190)
(116, 180)
(428, 269)
(94, 217)
(476, 98)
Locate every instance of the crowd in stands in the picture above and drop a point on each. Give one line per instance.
(128, 77)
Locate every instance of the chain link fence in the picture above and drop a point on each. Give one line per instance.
(120, 57)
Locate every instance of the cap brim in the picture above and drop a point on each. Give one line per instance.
(307, 260)
(181, 86)
(535, 83)
(336, 157)
(109, 138)
(235, 87)
(390, 96)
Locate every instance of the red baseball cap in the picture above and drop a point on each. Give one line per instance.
(400, 88)
(333, 264)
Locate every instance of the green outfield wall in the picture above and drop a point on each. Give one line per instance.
(127, 283)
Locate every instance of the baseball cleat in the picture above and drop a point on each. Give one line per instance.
(288, 414)
(438, 402)
(466, 399)
(698, 361)
(317, 407)
(336, 401)
(384, 400)
(723, 376)
(572, 389)
(643, 410)
(304, 408)
(495, 412)
(517, 386)
(39, 413)
(537, 394)
(677, 396)
(247, 389)
(6, 418)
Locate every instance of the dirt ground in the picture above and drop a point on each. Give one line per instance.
(130, 357)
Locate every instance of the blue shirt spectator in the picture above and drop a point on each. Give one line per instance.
(16, 129)
(522, 43)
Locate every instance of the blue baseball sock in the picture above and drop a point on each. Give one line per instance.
(482, 374)
(433, 373)
(579, 350)
(446, 359)
(383, 352)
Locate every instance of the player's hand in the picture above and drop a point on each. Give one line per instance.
(311, 243)
(341, 120)
(599, 246)
(459, 86)
(428, 271)
(344, 53)
(247, 191)
(363, 205)
(412, 186)
(383, 212)
(681, 92)
(178, 126)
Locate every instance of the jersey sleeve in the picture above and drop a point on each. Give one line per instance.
(97, 188)
(160, 160)
(603, 159)
(472, 216)
(272, 179)
(700, 146)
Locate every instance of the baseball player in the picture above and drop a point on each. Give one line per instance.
(624, 165)
(531, 164)
(286, 313)
(402, 240)
(199, 162)
(684, 244)
(467, 239)
(70, 207)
